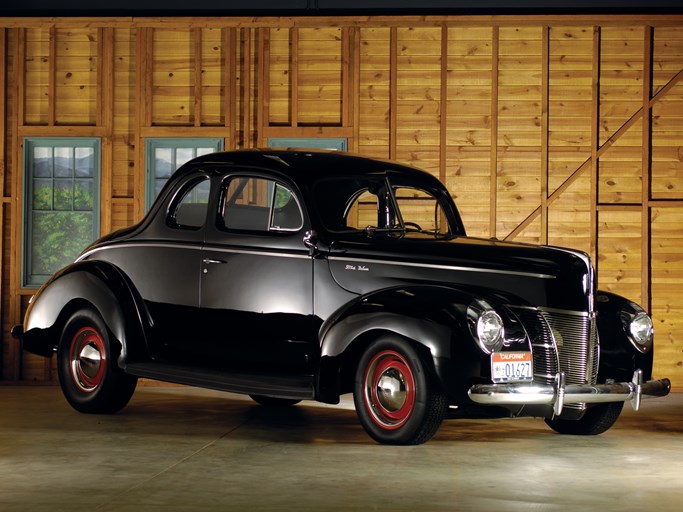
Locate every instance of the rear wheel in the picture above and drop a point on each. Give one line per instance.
(598, 419)
(90, 379)
(395, 398)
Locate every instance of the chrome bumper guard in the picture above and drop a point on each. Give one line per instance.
(559, 393)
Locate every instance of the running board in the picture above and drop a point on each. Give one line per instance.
(299, 387)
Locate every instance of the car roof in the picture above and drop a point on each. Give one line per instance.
(309, 165)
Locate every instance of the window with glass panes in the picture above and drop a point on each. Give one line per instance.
(165, 155)
(61, 203)
(334, 144)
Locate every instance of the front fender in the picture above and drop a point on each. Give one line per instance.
(95, 284)
(618, 357)
(432, 317)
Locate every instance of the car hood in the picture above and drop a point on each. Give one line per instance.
(526, 274)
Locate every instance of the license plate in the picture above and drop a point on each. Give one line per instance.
(511, 367)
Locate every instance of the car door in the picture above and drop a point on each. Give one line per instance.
(256, 283)
(163, 263)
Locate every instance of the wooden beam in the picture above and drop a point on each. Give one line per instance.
(147, 69)
(393, 90)
(588, 163)
(3, 155)
(294, 77)
(263, 87)
(493, 176)
(616, 207)
(666, 203)
(99, 85)
(182, 131)
(230, 87)
(665, 90)
(3, 122)
(143, 114)
(106, 99)
(51, 78)
(354, 91)
(595, 144)
(62, 131)
(545, 101)
(308, 132)
(551, 198)
(506, 20)
(443, 105)
(105, 120)
(346, 71)
(105, 78)
(645, 281)
(20, 72)
(19, 65)
(197, 45)
(246, 86)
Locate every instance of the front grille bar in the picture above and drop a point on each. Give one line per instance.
(562, 342)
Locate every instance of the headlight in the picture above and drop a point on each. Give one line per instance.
(638, 326)
(486, 326)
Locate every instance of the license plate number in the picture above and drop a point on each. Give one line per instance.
(511, 367)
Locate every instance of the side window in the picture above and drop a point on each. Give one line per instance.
(61, 203)
(420, 210)
(190, 211)
(258, 204)
(286, 214)
(363, 211)
(164, 155)
(334, 144)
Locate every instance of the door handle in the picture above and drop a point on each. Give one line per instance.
(209, 261)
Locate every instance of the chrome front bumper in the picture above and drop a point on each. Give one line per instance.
(559, 393)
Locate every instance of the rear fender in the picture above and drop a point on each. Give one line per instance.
(95, 284)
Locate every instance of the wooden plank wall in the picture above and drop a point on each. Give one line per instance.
(564, 130)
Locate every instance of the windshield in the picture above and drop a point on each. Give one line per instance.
(374, 204)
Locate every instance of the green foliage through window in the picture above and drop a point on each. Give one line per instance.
(61, 198)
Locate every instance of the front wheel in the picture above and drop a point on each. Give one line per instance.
(395, 398)
(90, 379)
(598, 419)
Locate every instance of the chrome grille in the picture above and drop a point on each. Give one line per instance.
(575, 337)
(560, 340)
(546, 361)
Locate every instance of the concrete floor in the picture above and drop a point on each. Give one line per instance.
(184, 449)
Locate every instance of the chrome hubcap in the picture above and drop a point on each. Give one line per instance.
(389, 389)
(87, 359)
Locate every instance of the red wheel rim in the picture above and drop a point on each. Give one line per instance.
(389, 389)
(87, 359)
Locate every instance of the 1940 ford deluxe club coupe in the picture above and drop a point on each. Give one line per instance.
(293, 275)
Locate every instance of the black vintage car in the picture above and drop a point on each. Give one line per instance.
(303, 275)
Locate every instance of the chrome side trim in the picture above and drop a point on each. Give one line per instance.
(193, 247)
(95, 250)
(440, 267)
(258, 253)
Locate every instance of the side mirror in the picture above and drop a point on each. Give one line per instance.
(311, 241)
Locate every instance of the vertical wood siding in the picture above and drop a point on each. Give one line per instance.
(564, 130)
